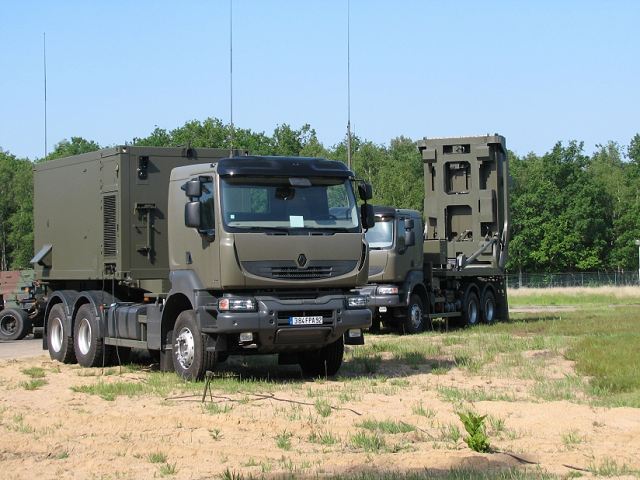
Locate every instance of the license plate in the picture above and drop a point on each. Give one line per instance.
(317, 320)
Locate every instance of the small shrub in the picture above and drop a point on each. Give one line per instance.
(283, 440)
(474, 425)
(157, 457)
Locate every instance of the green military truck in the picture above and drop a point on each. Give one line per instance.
(453, 266)
(21, 305)
(195, 256)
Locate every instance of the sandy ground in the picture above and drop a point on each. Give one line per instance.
(54, 432)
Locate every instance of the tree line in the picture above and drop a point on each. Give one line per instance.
(570, 211)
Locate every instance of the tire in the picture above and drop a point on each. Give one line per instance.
(88, 345)
(488, 306)
(471, 309)
(59, 341)
(190, 359)
(413, 321)
(325, 361)
(14, 324)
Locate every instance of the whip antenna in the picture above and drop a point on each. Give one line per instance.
(349, 84)
(231, 72)
(44, 57)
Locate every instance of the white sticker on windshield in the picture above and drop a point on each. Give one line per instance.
(296, 221)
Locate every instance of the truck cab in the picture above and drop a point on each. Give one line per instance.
(395, 291)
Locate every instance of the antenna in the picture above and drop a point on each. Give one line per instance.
(44, 57)
(349, 84)
(231, 73)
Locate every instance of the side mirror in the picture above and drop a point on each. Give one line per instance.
(408, 224)
(193, 188)
(409, 238)
(192, 214)
(367, 215)
(365, 191)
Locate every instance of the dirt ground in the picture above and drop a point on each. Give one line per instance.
(55, 432)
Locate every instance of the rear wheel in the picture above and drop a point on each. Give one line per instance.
(88, 344)
(413, 321)
(488, 306)
(14, 324)
(471, 309)
(190, 358)
(59, 340)
(325, 361)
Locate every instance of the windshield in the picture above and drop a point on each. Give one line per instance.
(381, 235)
(293, 205)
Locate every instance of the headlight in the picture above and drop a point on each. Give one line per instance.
(360, 301)
(387, 290)
(237, 304)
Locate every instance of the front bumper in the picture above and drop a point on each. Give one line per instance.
(271, 326)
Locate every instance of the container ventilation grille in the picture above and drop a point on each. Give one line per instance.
(109, 225)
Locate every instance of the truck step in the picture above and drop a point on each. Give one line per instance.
(125, 342)
(444, 315)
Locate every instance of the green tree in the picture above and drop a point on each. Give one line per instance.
(75, 146)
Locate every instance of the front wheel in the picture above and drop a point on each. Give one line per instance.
(325, 361)
(59, 340)
(413, 320)
(14, 324)
(190, 358)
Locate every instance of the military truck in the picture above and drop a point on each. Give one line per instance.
(196, 255)
(21, 305)
(453, 267)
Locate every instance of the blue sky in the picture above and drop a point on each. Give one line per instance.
(536, 72)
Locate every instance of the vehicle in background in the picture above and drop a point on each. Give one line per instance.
(453, 267)
(195, 256)
(21, 305)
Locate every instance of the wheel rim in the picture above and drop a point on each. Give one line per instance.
(55, 335)
(415, 316)
(8, 325)
(489, 310)
(185, 348)
(472, 313)
(84, 336)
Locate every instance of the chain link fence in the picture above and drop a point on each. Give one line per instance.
(572, 279)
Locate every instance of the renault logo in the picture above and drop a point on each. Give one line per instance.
(302, 260)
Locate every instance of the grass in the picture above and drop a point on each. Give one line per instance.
(574, 296)
(453, 474)
(33, 384)
(322, 407)
(168, 469)
(607, 467)
(34, 372)
(323, 438)
(386, 426)
(157, 457)
(369, 442)
(283, 440)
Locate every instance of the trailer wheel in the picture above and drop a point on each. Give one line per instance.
(59, 341)
(413, 321)
(190, 358)
(325, 361)
(14, 324)
(471, 309)
(87, 343)
(488, 309)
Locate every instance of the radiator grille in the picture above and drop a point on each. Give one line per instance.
(294, 273)
(109, 225)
